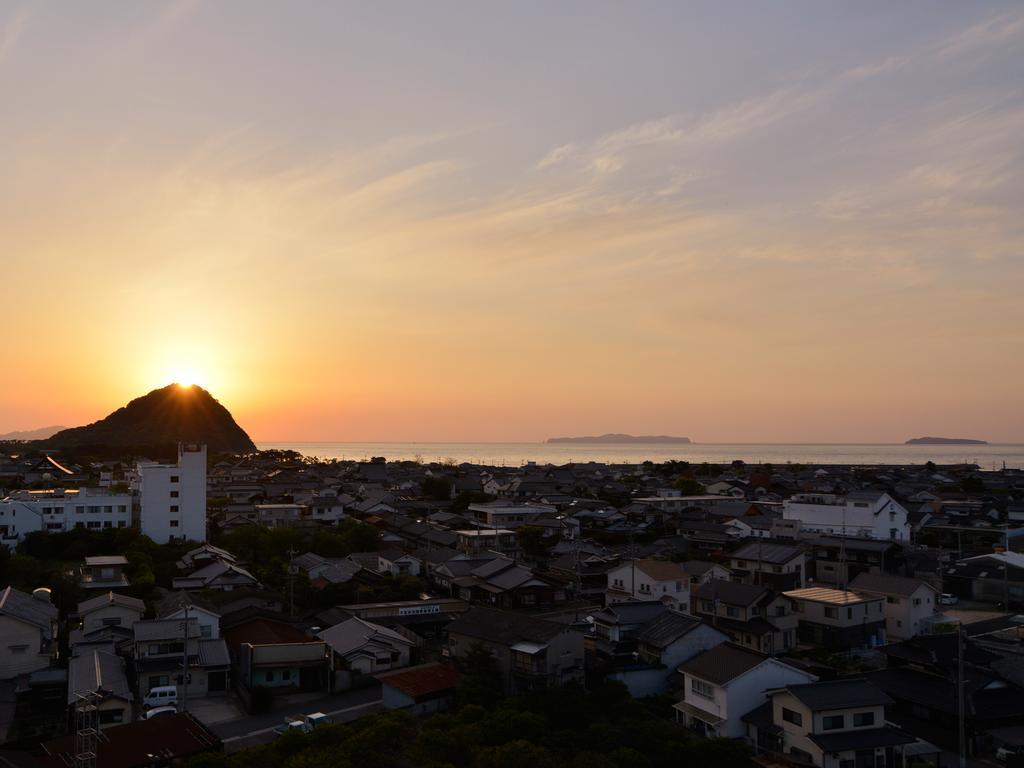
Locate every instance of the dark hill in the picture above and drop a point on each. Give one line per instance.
(165, 416)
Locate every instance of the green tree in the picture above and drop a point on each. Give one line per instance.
(688, 486)
(481, 677)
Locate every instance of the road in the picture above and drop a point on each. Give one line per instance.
(259, 729)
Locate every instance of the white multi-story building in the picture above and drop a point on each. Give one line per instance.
(871, 514)
(61, 510)
(172, 497)
(649, 580)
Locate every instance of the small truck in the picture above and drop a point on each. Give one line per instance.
(302, 723)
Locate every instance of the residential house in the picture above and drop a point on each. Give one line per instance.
(921, 677)
(649, 580)
(157, 743)
(531, 653)
(779, 565)
(274, 655)
(28, 629)
(838, 619)
(829, 724)
(615, 628)
(161, 646)
(101, 674)
(754, 616)
(504, 583)
(104, 572)
(217, 575)
(997, 577)
(909, 603)
(183, 605)
(397, 563)
(110, 610)
(509, 514)
(476, 541)
(663, 643)
(726, 682)
(703, 571)
(421, 690)
(359, 647)
(838, 560)
(871, 514)
(202, 556)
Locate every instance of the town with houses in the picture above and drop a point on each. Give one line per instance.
(828, 616)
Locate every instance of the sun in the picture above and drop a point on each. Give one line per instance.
(186, 378)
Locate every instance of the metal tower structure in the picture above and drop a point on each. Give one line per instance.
(87, 729)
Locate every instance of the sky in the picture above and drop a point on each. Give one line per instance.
(738, 222)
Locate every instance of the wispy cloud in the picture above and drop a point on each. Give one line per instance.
(999, 31)
(11, 31)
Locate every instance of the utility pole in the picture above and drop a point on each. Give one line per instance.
(184, 665)
(291, 582)
(961, 714)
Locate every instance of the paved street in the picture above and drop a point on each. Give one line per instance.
(259, 729)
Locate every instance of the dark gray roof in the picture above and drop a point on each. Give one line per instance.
(838, 694)
(32, 610)
(842, 741)
(698, 567)
(633, 612)
(722, 663)
(97, 671)
(731, 592)
(504, 627)
(111, 598)
(767, 552)
(665, 629)
(885, 584)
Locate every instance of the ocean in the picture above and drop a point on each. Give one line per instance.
(516, 454)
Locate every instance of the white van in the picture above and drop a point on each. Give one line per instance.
(161, 696)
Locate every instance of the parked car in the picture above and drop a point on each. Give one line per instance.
(149, 714)
(161, 696)
(947, 599)
(302, 723)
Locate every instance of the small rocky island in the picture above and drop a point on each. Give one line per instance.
(620, 438)
(944, 441)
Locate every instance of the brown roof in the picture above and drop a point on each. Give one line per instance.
(422, 680)
(662, 570)
(135, 744)
(264, 632)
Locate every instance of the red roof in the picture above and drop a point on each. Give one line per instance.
(422, 680)
(161, 739)
(264, 632)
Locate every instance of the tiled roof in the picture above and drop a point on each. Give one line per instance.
(111, 598)
(731, 592)
(98, 671)
(662, 570)
(665, 629)
(422, 680)
(839, 694)
(766, 552)
(504, 627)
(136, 744)
(722, 663)
(264, 632)
(888, 585)
(18, 605)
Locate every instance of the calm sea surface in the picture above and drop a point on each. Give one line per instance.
(516, 454)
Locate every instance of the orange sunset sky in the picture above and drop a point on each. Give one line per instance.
(767, 222)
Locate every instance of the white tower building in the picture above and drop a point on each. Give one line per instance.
(172, 497)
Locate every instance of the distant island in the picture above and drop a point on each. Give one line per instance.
(618, 438)
(944, 441)
(32, 434)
